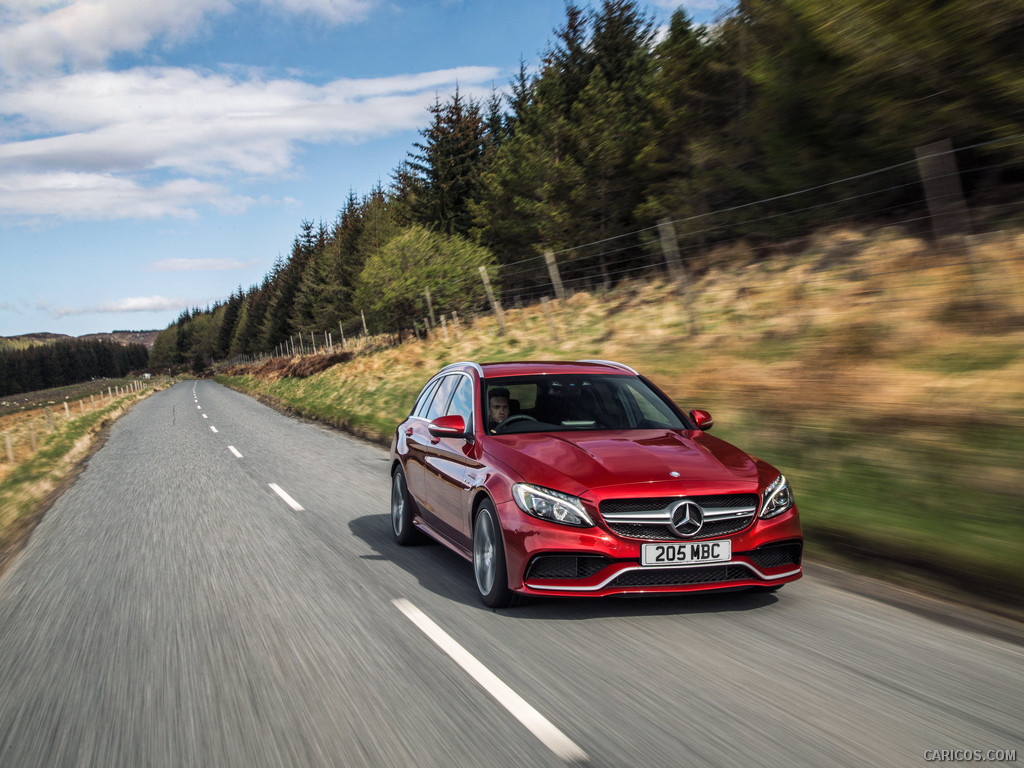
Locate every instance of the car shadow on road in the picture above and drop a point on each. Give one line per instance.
(444, 573)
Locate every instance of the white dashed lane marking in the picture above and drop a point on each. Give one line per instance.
(234, 451)
(287, 499)
(534, 721)
(213, 428)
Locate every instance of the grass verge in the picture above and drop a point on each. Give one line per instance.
(897, 414)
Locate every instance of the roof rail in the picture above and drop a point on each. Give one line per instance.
(611, 363)
(475, 366)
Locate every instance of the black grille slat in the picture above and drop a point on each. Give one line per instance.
(617, 515)
(675, 577)
(560, 567)
(776, 555)
(710, 529)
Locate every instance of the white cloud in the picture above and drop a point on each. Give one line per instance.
(46, 37)
(133, 304)
(99, 196)
(199, 265)
(102, 145)
(336, 11)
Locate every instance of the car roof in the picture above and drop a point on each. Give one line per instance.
(536, 368)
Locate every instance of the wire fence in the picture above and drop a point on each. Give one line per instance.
(24, 432)
(910, 220)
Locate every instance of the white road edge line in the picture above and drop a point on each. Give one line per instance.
(234, 451)
(213, 428)
(534, 721)
(287, 499)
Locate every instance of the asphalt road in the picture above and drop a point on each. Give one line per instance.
(174, 609)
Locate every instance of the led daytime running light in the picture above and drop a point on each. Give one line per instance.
(777, 498)
(553, 506)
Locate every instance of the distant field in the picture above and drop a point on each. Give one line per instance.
(884, 378)
(121, 337)
(72, 393)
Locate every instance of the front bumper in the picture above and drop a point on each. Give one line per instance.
(549, 559)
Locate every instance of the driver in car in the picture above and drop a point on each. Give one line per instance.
(499, 408)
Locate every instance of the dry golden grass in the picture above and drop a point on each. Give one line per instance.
(883, 375)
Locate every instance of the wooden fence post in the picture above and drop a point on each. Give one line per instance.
(556, 278)
(941, 178)
(10, 450)
(430, 307)
(546, 304)
(363, 315)
(495, 305)
(341, 329)
(670, 248)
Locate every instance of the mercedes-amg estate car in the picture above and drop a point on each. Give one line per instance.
(583, 478)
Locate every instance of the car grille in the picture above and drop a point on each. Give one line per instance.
(650, 518)
(776, 555)
(675, 577)
(564, 567)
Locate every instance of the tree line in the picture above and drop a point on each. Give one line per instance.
(60, 363)
(623, 125)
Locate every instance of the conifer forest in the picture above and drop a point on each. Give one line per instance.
(783, 117)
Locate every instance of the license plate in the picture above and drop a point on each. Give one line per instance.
(672, 554)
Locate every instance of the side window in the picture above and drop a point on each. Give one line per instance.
(441, 395)
(462, 401)
(424, 400)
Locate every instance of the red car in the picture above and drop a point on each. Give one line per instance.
(568, 479)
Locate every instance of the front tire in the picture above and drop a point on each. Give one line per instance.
(401, 510)
(489, 559)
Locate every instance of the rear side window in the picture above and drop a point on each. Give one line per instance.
(420, 409)
(442, 394)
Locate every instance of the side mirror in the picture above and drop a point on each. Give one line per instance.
(702, 419)
(448, 426)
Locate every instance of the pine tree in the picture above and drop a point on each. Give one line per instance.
(447, 165)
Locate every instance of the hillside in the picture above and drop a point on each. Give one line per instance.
(124, 337)
(120, 337)
(884, 376)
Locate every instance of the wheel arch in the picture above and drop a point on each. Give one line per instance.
(479, 498)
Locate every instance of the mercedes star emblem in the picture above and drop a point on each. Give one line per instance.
(687, 519)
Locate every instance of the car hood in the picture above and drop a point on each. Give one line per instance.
(575, 462)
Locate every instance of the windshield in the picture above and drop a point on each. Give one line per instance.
(549, 403)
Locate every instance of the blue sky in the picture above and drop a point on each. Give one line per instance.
(157, 154)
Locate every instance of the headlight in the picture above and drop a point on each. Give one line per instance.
(777, 498)
(552, 506)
